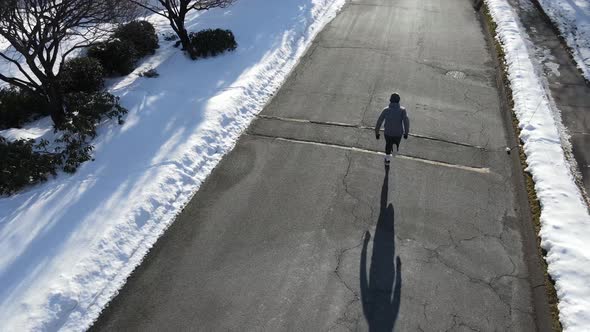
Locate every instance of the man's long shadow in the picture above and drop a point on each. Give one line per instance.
(381, 292)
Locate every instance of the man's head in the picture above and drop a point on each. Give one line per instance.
(394, 98)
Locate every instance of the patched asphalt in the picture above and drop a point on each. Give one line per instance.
(301, 228)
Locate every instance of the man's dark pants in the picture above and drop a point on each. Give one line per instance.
(390, 141)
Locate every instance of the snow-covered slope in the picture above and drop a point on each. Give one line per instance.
(572, 18)
(565, 222)
(69, 244)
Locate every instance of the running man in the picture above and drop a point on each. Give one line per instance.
(397, 125)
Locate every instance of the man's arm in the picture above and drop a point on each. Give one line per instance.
(379, 124)
(406, 121)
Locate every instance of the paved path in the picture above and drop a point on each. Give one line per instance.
(300, 227)
(570, 92)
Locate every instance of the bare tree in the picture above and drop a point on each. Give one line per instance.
(42, 33)
(175, 12)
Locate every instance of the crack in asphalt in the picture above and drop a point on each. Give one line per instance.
(360, 126)
(344, 318)
(481, 170)
(479, 108)
(364, 48)
(458, 322)
(436, 256)
(491, 284)
(358, 201)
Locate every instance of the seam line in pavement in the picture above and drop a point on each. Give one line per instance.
(350, 125)
(481, 170)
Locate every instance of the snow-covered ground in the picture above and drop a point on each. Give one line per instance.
(572, 18)
(565, 222)
(69, 244)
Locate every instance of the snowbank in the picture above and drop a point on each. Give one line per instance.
(69, 244)
(565, 222)
(572, 18)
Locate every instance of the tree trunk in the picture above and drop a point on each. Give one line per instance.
(178, 26)
(56, 105)
(185, 41)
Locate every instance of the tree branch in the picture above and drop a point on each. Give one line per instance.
(149, 8)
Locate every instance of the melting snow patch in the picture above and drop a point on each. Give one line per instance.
(572, 18)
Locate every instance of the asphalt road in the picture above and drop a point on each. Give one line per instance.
(300, 227)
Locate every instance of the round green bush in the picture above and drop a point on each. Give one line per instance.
(19, 106)
(210, 42)
(116, 57)
(141, 34)
(82, 75)
(84, 112)
(20, 165)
